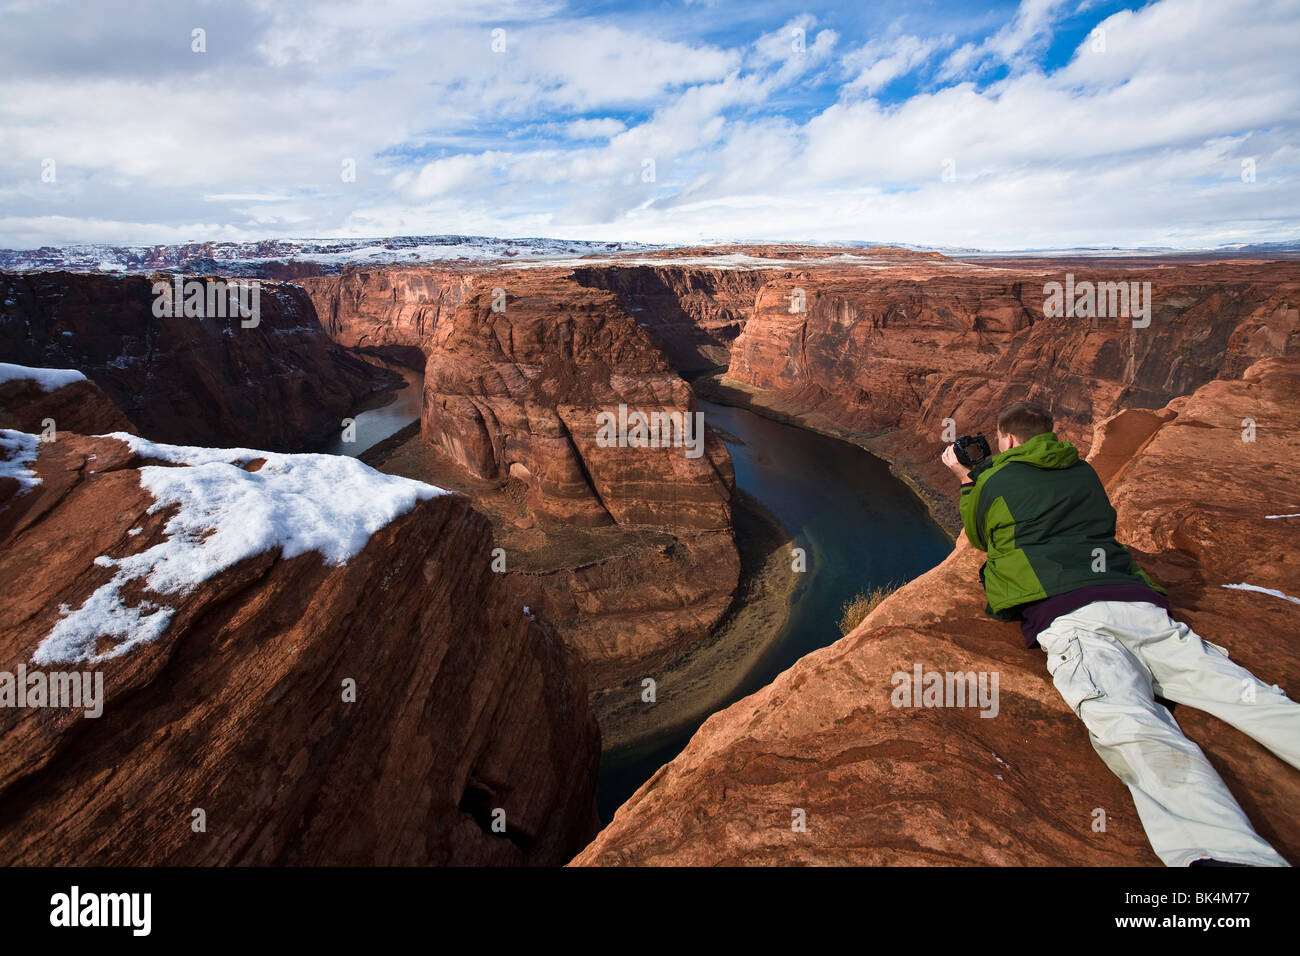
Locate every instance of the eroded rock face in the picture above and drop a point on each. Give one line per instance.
(519, 365)
(880, 784)
(81, 407)
(907, 350)
(910, 347)
(530, 385)
(365, 308)
(692, 315)
(281, 385)
(463, 703)
(630, 613)
(522, 369)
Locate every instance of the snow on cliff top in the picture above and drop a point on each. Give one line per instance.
(16, 450)
(330, 254)
(329, 504)
(48, 379)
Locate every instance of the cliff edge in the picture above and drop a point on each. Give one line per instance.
(821, 768)
(237, 657)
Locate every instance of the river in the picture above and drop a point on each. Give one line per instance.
(376, 424)
(860, 528)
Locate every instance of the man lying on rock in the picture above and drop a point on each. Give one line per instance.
(1042, 515)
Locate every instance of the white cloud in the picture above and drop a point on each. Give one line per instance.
(602, 128)
(796, 48)
(243, 197)
(453, 173)
(877, 64)
(1141, 143)
(1027, 33)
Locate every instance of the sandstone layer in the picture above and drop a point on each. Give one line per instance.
(903, 358)
(80, 407)
(281, 384)
(468, 739)
(879, 784)
(520, 367)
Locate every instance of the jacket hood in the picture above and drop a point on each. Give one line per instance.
(1044, 450)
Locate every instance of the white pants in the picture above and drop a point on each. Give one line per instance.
(1108, 659)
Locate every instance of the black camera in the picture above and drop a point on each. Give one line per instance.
(972, 449)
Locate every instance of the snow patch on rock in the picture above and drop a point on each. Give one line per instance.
(16, 450)
(329, 504)
(49, 379)
(1260, 590)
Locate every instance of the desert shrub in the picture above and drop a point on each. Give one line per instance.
(855, 610)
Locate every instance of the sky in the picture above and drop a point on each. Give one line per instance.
(1002, 125)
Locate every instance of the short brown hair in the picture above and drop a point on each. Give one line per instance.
(1025, 420)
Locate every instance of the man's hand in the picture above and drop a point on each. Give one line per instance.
(949, 458)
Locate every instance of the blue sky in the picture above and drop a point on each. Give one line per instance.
(1036, 123)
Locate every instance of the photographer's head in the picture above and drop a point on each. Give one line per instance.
(1020, 422)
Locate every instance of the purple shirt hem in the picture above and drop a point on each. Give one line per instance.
(1038, 615)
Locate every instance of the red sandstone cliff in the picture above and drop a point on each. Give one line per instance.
(520, 365)
(366, 308)
(907, 348)
(80, 407)
(880, 784)
(282, 384)
(519, 392)
(463, 703)
(693, 315)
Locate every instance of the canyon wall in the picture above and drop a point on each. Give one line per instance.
(281, 385)
(897, 350)
(821, 768)
(520, 391)
(692, 315)
(391, 709)
(899, 353)
(365, 308)
(877, 346)
(520, 366)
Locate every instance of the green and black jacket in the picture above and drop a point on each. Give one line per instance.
(1042, 515)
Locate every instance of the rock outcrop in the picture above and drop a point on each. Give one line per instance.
(692, 315)
(80, 406)
(521, 368)
(518, 387)
(280, 384)
(1200, 507)
(400, 707)
(519, 364)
